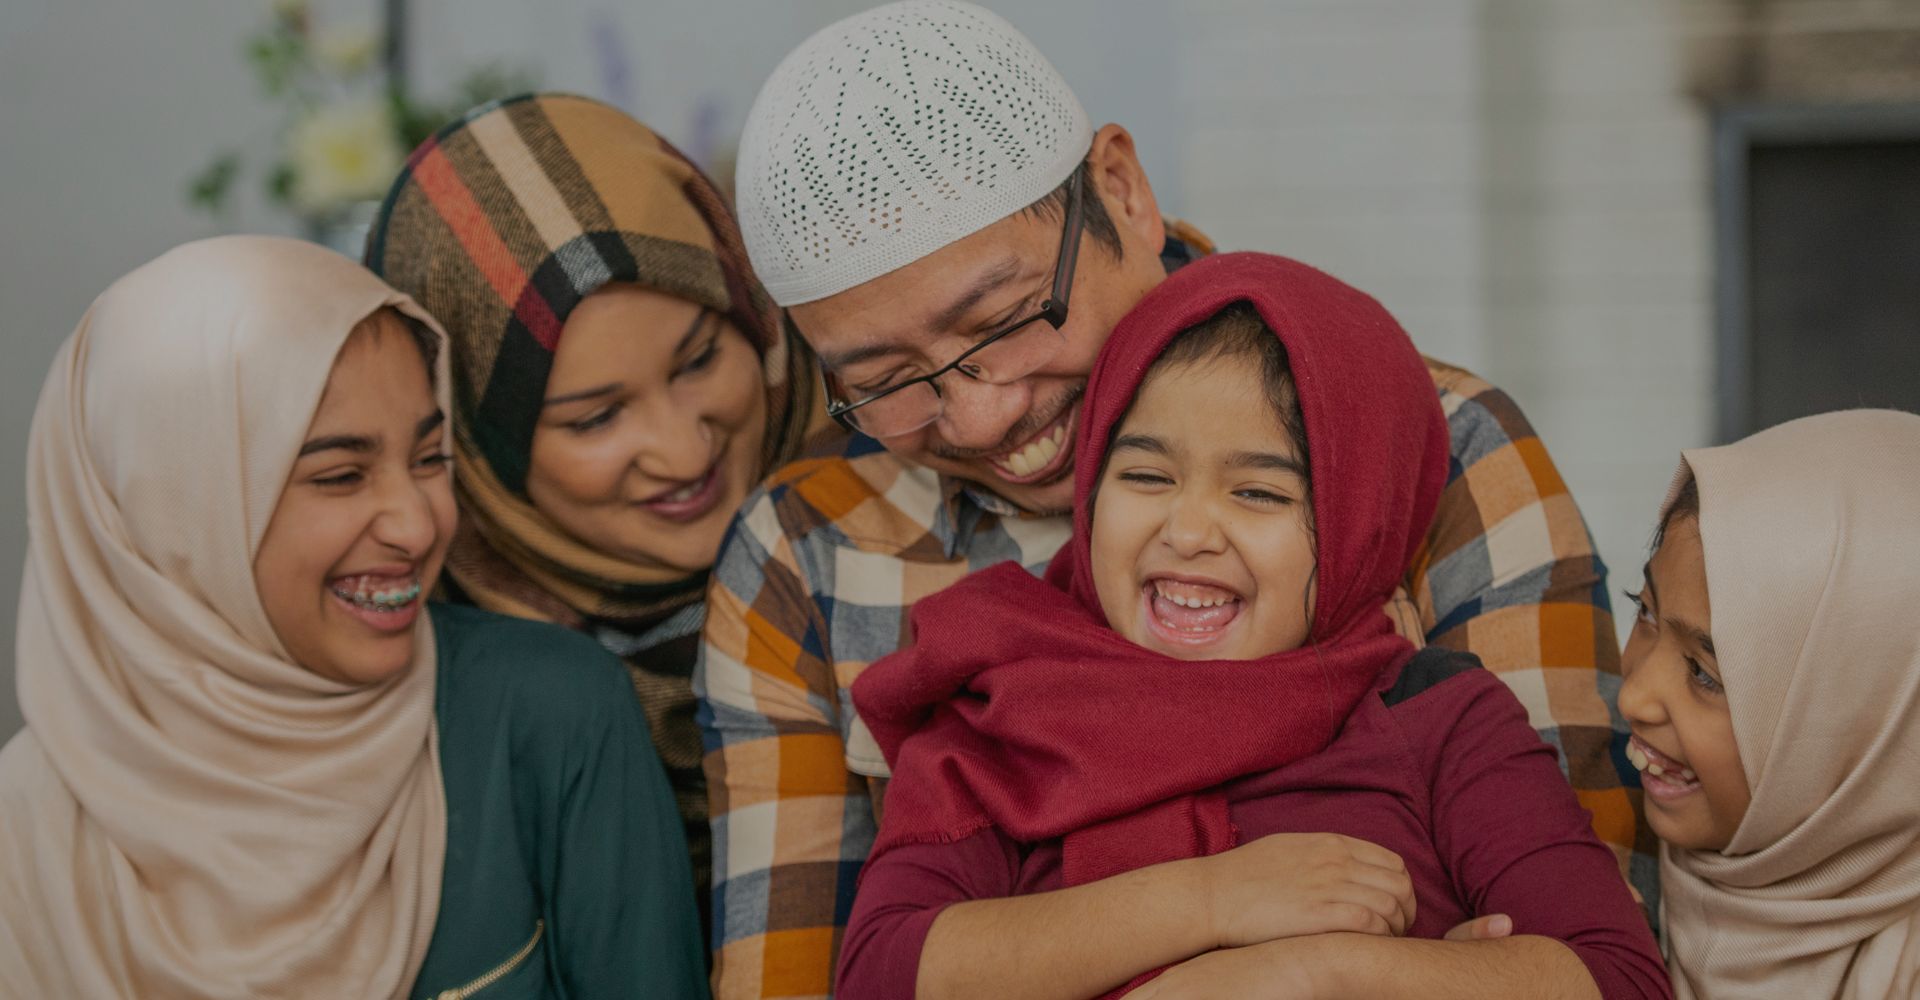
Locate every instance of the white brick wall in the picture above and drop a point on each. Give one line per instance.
(1521, 181)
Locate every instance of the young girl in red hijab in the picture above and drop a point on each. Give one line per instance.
(1199, 742)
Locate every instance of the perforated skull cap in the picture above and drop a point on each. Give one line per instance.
(894, 133)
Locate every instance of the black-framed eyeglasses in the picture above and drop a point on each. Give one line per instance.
(998, 359)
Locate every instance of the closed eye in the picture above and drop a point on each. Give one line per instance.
(595, 420)
(703, 360)
(1145, 478)
(881, 384)
(348, 478)
(1698, 676)
(1263, 496)
(1641, 613)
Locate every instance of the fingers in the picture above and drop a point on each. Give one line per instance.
(1393, 916)
(1370, 853)
(1487, 928)
(1394, 883)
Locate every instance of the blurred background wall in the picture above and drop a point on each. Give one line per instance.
(1528, 185)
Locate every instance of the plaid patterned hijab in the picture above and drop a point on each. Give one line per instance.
(500, 226)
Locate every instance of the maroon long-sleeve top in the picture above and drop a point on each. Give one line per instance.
(1441, 767)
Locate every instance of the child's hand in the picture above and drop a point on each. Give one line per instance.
(1293, 884)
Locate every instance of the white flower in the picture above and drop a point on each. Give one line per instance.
(348, 50)
(343, 153)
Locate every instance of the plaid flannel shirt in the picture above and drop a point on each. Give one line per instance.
(824, 560)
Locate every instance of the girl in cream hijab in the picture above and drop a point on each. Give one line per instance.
(1773, 685)
(231, 780)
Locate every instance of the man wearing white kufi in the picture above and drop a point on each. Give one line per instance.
(923, 192)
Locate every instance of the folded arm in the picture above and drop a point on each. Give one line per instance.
(943, 920)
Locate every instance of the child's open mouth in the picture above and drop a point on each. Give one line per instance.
(1189, 612)
(1661, 776)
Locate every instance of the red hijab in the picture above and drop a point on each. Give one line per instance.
(1017, 707)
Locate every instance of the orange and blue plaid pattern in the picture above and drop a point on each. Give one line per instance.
(824, 560)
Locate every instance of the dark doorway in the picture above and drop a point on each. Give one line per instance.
(1819, 263)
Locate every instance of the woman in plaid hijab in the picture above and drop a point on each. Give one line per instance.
(620, 382)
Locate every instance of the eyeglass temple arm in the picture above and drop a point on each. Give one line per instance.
(1056, 304)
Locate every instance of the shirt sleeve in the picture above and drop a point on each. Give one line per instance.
(1509, 573)
(902, 893)
(791, 824)
(1517, 842)
(619, 892)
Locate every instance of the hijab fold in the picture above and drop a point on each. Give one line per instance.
(1812, 538)
(188, 812)
(1018, 707)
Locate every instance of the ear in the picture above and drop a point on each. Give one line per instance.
(1121, 184)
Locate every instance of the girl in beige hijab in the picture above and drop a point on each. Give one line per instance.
(231, 780)
(1772, 681)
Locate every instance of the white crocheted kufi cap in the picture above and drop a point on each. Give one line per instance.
(894, 133)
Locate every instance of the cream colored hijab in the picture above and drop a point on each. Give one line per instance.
(188, 813)
(1812, 538)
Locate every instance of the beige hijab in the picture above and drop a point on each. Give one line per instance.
(188, 813)
(1812, 538)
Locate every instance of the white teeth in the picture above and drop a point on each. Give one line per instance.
(1037, 455)
(1048, 449)
(376, 600)
(1191, 602)
(683, 494)
(1639, 759)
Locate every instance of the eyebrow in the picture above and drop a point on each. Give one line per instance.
(574, 397)
(1142, 442)
(1694, 632)
(361, 444)
(1697, 635)
(990, 281)
(1239, 460)
(693, 330)
(357, 443)
(1268, 461)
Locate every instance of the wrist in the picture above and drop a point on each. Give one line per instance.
(1325, 964)
(1195, 888)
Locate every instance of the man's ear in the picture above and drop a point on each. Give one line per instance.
(1121, 184)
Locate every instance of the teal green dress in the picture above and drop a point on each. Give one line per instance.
(566, 874)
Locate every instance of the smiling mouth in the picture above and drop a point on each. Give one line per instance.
(688, 502)
(386, 594)
(388, 602)
(1662, 777)
(1043, 456)
(1189, 612)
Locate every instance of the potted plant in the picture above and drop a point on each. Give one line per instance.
(346, 127)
